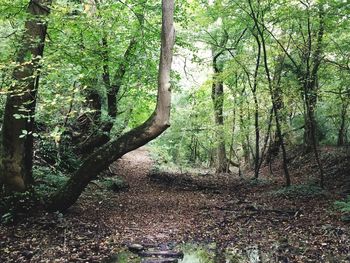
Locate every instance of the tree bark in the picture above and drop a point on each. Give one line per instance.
(157, 123)
(275, 145)
(217, 96)
(312, 60)
(253, 86)
(272, 93)
(17, 146)
(102, 135)
(342, 128)
(242, 126)
(310, 86)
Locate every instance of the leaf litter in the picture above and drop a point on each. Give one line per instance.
(232, 213)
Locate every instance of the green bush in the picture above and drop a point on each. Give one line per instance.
(61, 157)
(344, 207)
(115, 184)
(48, 180)
(257, 182)
(300, 191)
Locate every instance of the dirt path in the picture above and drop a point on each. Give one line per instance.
(153, 213)
(103, 222)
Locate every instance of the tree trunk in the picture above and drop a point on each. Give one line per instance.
(342, 129)
(278, 97)
(118, 78)
(272, 93)
(102, 135)
(89, 125)
(253, 86)
(312, 60)
(157, 123)
(18, 122)
(310, 130)
(217, 96)
(257, 136)
(245, 141)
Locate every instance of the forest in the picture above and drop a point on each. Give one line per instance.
(175, 131)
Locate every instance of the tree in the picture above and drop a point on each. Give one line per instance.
(18, 122)
(112, 84)
(217, 95)
(273, 85)
(157, 123)
(306, 56)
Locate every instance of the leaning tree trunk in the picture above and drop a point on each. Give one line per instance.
(157, 123)
(17, 130)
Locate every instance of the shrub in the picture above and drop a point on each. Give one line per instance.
(300, 191)
(344, 207)
(16, 204)
(61, 157)
(48, 180)
(115, 184)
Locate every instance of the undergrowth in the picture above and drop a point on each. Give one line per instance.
(300, 191)
(17, 204)
(114, 184)
(47, 180)
(257, 182)
(344, 207)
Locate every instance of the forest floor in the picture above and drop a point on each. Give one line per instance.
(231, 212)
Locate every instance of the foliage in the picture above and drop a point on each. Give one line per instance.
(300, 191)
(13, 206)
(197, 253)
(344, 207)
(258, 182)
(16, 205)
(59, 156)
(190, 140)
(75, 58)
(115, 184)
(48, 180)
